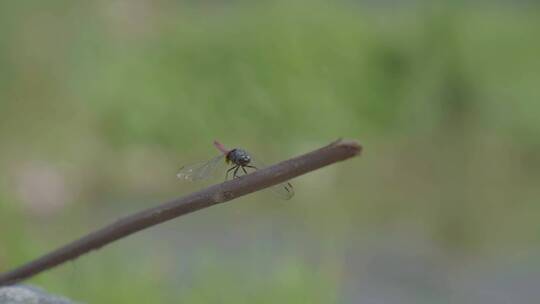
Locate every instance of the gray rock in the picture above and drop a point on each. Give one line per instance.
(22, 294)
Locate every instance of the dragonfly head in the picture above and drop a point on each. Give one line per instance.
(239, 157)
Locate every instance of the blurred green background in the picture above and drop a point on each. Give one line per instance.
(102, 101)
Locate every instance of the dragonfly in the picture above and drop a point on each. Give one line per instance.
(239, 161)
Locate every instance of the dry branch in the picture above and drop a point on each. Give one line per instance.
(220, 193)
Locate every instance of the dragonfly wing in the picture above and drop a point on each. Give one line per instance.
(201, 170)
(283, 191)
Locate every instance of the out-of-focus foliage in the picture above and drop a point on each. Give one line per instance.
(102, 101)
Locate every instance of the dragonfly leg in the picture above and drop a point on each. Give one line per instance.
(227, 174)
(235, 174)
(244, 169)
(250, 166)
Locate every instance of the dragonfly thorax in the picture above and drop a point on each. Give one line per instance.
(238, 157)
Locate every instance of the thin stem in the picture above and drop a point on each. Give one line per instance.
(220, 193)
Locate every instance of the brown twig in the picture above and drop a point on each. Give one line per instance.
(220, 193)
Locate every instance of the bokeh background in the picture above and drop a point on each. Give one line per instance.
(102, 101)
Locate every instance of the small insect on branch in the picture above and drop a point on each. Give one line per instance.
(220, 193)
